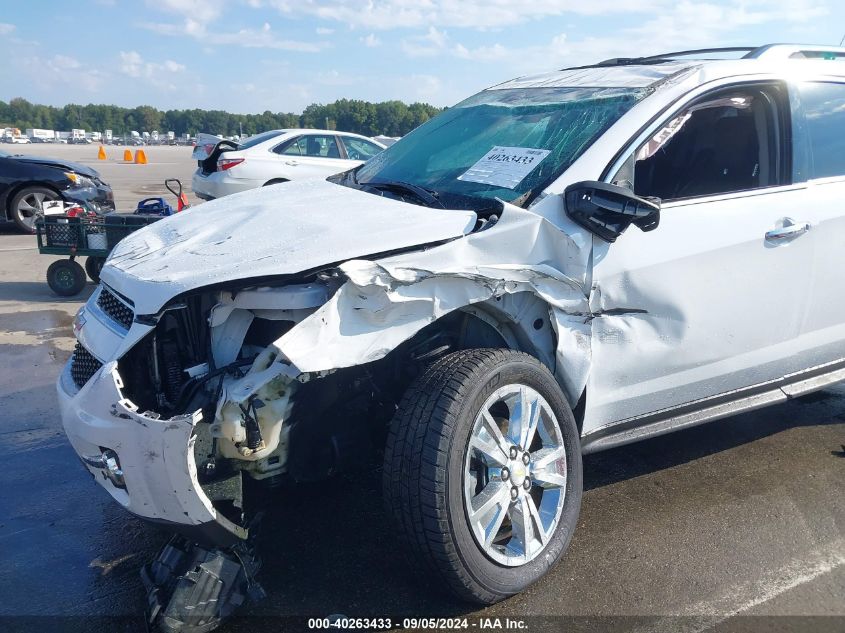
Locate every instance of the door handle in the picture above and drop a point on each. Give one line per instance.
(789, 230)
(292, 163)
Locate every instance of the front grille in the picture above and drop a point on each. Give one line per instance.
(116, 309)
(83, 366)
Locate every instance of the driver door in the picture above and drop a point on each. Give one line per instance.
(711, 301)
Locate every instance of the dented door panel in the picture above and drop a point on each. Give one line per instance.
(701, 306)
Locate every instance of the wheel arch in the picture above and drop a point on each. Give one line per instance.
(521, 321)
(17, 188)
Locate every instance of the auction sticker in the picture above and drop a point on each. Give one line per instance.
(504, 166)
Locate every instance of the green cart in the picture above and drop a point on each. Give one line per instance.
(89, 237)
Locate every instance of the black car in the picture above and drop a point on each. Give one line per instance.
(27, 181)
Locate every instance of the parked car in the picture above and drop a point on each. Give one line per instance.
(475, 305)
(274, 157)
(26, 182)
(20, 140)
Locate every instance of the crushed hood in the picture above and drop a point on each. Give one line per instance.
(278, 230)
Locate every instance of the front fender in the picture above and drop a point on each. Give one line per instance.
(385, 303)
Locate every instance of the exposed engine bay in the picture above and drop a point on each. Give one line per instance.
(258, 421)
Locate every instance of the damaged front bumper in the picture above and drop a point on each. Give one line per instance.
(155, 457)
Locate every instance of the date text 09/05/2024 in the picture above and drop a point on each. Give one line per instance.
(480, 624)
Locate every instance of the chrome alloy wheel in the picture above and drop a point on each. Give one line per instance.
(30, 207)
(514, 475)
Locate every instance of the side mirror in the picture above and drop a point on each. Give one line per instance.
(607, 210)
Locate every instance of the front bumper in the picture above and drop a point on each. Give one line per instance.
(155, 455)
(99, 199)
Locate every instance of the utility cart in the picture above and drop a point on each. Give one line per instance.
(77, 233)
(89, 237)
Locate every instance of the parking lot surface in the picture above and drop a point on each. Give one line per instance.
(737, 525)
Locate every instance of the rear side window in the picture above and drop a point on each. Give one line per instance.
(824, 116)
(252, 141)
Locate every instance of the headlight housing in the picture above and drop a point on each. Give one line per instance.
(79, 181)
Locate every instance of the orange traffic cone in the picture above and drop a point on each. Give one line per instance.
(101, 155)
(140, 157)
(127, 155)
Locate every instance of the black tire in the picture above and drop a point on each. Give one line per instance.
(17, 207)
(93, 266)
(66, 278)
(423, 471)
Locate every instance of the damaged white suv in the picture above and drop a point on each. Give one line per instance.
(465, 305)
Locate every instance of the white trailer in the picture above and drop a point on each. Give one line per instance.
(46, 135)
(77, 134)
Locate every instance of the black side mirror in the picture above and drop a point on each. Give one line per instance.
(607, 210)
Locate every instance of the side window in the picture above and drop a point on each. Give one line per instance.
(824, 127)
(359, 149)
(295, 147)
(724, 143)
(320, 146)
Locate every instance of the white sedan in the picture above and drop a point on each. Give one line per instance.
(277, 156)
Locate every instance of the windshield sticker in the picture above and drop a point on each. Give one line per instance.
(504, 166)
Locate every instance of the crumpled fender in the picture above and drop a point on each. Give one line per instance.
(384, 303)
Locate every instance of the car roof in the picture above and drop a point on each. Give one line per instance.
(652, 71)
(306, 130)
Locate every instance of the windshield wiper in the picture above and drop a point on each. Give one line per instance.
(429, 197)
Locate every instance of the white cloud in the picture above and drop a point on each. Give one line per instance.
(336, 78)
(478, 14)
(432, 43)
(5, 28)
(160, 75)
(59, 72)
(63, 62)
(201, 11)
(371, 41)
(247, 38)
(322, 30)
(681, 25)
(481, 53)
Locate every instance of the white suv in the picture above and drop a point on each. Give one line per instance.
(277, 156)
(473, 305)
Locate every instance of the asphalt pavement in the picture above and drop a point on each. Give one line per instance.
(738, 525)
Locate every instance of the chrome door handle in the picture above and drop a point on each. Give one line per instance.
(292, 163)
(789, 230)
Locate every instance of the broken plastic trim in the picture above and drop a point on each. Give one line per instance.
(608, 210)
(191, 589)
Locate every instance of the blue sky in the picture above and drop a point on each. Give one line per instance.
(280, 55)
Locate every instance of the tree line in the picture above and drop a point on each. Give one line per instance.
(392, 118)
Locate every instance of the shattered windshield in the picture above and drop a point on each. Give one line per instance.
(507, 144)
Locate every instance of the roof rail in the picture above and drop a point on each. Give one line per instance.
(704, 51)
(656, 59)
(796, 51)
(768, 52)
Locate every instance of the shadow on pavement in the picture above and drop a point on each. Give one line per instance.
(39, 292)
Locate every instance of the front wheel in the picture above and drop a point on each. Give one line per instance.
(93, 266)
(26, 206)
(482, 472)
